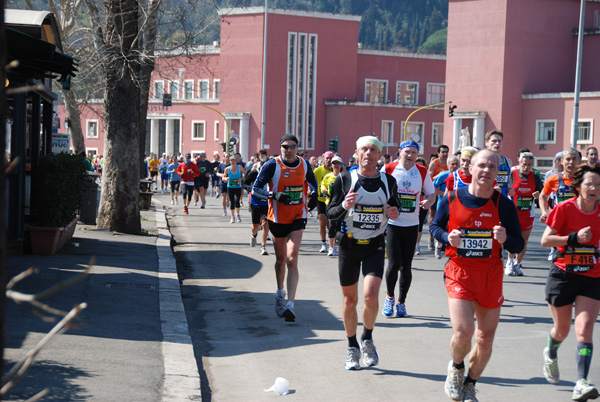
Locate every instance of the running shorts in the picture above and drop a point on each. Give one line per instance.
(284, 229)
(483, 285)
(562, 287)
(354, 253)
(259, 213)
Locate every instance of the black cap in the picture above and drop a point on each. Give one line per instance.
(188, 155)
(288, 137)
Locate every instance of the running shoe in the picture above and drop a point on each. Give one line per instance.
(584, 390)
(417, 250)
(280, 304)
(388, 306)
(263, 251)
(509, 268)
(400, 310)
(454, 382)
(289, 315)
(353, 358)
(232, 220)
(323, 248)
(239, 219)
(203, 206)
(551, 368)
(335, 251)
(176, 201)
(253, 241)
(172, 202)
(224, 212)
(195, 203)
(551, 254)
(218, 195)
(185, 210)
(517, 267)
(469, 392)
(330, 252)
(430, 244)
(438, 250)
(369, 352)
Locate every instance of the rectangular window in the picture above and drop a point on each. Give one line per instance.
(375, 91)
(437, 134)
(291, 79)
(387, 133)
(407, 93)
(216, 89)
(544, 164)
(189, 89)
(199, 130)
(216, 130)
(203, 87)
(414, 132)
(436, 93)
(544, 131)
(159, 89)
(174, 89)
(585, 131)
(92, 129)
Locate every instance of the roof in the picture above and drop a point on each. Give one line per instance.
(39, 24)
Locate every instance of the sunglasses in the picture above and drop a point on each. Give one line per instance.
(293, 146)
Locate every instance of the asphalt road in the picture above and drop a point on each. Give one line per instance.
(241, 346)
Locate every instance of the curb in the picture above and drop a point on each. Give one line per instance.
(181, 377)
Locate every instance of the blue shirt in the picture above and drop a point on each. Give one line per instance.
(172, 172)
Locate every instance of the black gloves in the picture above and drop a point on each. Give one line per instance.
(281, 197)
(314, 200)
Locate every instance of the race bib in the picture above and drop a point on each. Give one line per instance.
(475, 243)
(234, 183)
(367, 217)
(524, 203)
(580, 258)
(202, 169)
(502, 178)
(294, 193)
(408, 202)
(562, 195)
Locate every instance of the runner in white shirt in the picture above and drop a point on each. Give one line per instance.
(401, 237)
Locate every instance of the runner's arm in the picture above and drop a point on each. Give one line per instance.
(510, 220)
(339, 189)
(264, 176)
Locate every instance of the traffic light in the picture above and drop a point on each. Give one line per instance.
(231, 145)
(167, 100)
(333, 144)
(451, 110)
(224, 146)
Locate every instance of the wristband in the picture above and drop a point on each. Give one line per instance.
(572, 240)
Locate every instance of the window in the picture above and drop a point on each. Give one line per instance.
(544, 164)
(584, 135)
(92, 129)
(159, 89)
(174, 89)
(436, 93)
(544, 131)
(437, 134)
(216, 89)
(375, 91)
(189, 89)
(407, 93)
(196, 154)
(216, 130)
(387, 133)
(199, 130)
(203, 88)
(414, 132)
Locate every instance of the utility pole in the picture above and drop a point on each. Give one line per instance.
(575, 130)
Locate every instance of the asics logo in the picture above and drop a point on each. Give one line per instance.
(485, 214)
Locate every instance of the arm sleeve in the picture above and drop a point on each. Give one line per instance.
(510, 220)
(440, 221)
(538, 183)
(265, 175)
(339, 189)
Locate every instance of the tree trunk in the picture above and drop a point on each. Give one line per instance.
(72, 108)
(119, 204)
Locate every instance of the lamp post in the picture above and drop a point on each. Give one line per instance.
(575, 130)
(421, 108)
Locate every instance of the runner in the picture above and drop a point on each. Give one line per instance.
(362, 201)
(326, 183)
(187, 170)
(223, 185)
(422, 212)
(560, 183)
(164, 177)
(462, 176)
(494, 140)
(153, 164)
(439, 183)
(527, 186)
(476, 222)
(234, 176)
(201, 182)
(320, 172)
(214, 179)
(402, 232)
(285, 176)
(437, 166)
(259, 209)
(592, 156)
(174, 180)
(573, 282)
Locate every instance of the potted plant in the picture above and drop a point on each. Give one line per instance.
(58, 185)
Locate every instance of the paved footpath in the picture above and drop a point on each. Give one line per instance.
(241, 345)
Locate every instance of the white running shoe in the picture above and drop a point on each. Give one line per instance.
(330, 252)
(454, 382)
(353, 359)
(239, 219)
(224, 212)
(584, 390)
(232, 220)
(551, 254)
(417, 250)
(172, 202)
(551, 368)
(253, 241)
(323, 248)
(195, 203)
(517, 268)
(509, 268)
(438, 250)
(280, 304)
(176, 201)
(370, 357)
(469, 392)
(263, 251)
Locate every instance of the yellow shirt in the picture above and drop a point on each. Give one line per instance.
(326, 184)
(320, 172)
(153, 165)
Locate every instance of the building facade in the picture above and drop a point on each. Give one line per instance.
(319, 85)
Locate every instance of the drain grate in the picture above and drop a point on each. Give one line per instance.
(134, 286)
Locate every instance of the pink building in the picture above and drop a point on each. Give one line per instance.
(511, 66)
(319, 85)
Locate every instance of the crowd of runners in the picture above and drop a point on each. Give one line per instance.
(481, 211)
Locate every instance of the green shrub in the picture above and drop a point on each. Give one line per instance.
(57, 189)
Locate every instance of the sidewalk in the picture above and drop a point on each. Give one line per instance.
(133, 342)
